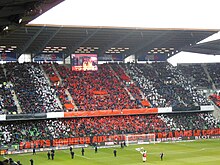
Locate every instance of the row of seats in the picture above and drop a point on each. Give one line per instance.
(7, 103)
(100, 90)
(32, 89)
(113, 86)
(17, 131)
(214, 72)
(165, 85)
(197, 75)
(215, 98)
(132, 88)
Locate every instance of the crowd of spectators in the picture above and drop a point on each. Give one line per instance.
(7, 103)
(113, 86)
(197, 75)
(17, 131)
(34, 93)
(99, 90)
(145, 81)
(190, 121)
(165, 85)
(130, 85)
(215, 98)
(56, 83)
(214, 72)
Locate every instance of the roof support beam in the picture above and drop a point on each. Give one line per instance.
(30, 41)
(115, 42)
(48, 40)
(71, 49)
(148, 43)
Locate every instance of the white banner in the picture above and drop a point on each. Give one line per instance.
(2, 117)
(207, 108)
(55, 114)
(165, 110)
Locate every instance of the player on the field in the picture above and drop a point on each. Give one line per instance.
(83, 151)
(32, 162)
(96, 149)
(144, 155)
(115, 152)
(161, 156)
(34, 151)
(48, 155)
(72, 154)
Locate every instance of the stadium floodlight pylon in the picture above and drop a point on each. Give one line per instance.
(140, 139)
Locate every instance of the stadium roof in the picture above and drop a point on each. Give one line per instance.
(36, 39)
(15, 13)
(17, 37)
(211, 47)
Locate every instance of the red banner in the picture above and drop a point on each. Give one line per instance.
(111, 138)
(111, 112)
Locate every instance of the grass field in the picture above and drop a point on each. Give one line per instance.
(202, 152)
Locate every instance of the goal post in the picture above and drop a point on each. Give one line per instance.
(140, 139)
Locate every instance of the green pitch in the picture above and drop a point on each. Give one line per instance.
(203, 152)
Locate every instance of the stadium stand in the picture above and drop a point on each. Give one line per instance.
(7, 103)
(215, 98)
(99, 90)
(17, 131)
(214, 72)
(130, 86)
(32, 89)
(164, 85)
(197, 75)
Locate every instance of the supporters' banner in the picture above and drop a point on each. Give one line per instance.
(111, 112)
(165, 110)
(2, 117)
(71, 141)
(188, 133)
(8, 57)
(26, 116)
(55, 114)
(49, 57)
(54, 78)
(153, 57)
(207, 108)
(100, 92)
(185, 109)
(114, 139)
(111, 57)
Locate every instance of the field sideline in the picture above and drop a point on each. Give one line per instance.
(202, 152)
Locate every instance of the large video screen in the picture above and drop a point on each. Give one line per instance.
(84, 62)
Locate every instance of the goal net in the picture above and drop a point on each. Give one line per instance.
(140, 139)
